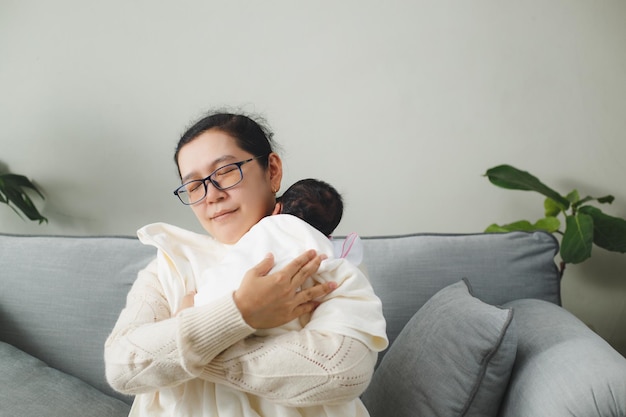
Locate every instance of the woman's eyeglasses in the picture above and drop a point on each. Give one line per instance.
(223, 178)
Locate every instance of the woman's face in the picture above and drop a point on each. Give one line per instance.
(228, 214)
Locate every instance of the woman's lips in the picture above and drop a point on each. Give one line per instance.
(222, 215)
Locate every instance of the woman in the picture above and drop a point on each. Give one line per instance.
(203, 361)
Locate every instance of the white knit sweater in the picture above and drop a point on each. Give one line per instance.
(206, 361)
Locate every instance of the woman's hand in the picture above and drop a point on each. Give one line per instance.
(267, 301)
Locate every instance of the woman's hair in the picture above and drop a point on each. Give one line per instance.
(251, 135)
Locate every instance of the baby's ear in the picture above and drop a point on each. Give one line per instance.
(278, 208)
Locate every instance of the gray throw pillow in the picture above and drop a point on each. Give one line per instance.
(30, 388)
(453, 358)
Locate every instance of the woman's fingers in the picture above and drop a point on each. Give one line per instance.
(315, 292)
(294, 268)
(307, 264)
(269, 300)
(307, 300)
(265, 266)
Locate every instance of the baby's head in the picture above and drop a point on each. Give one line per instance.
(314, 201)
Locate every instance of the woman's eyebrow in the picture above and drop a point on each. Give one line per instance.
(214, 165)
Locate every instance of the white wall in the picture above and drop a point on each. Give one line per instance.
(403, 105)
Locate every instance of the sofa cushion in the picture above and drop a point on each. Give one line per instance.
(453, 358)
(31, 388)
(562, 367)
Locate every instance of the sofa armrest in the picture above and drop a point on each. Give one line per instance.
(562, 367)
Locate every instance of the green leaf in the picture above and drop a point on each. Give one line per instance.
(606, 199)
(17, 182)
(12, 193)
(573, 196)
(608, 232)
(583, 201)
(577, 239)
(550, 224)
(494, 228)
(521, 225)
(508, 177)
(551, 208)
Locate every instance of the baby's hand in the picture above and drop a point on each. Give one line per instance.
(187, 301)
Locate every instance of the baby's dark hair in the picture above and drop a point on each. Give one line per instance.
(316, 202)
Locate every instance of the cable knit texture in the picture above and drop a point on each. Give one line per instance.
(206, 360)
(326, 368)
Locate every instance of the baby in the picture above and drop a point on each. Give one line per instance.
(310, 210)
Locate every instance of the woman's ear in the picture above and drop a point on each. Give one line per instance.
(275, 170)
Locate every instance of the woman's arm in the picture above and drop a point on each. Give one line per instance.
(329, 361)
(149, 349)
(298, 369)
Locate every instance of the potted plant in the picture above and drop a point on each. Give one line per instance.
(13, 192)
(584, 225)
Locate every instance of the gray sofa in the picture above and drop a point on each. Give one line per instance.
(489, 337)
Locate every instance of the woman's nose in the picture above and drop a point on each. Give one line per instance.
(213, 193)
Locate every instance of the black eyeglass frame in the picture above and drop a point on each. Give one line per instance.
(213, 181)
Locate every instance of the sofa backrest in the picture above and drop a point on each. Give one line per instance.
(60, 296)
(406, 271)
